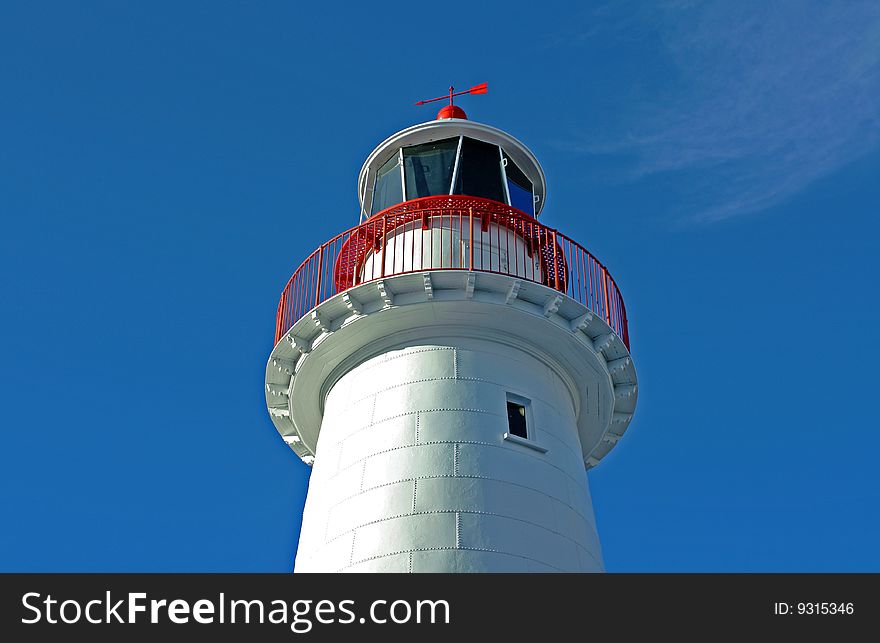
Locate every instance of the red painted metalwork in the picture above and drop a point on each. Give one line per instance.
(378, 231)
(515, 244)
(482, 88)
(452, 110)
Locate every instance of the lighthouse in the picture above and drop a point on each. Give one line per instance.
(451, 367)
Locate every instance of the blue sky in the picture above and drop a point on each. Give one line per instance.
(165, 166)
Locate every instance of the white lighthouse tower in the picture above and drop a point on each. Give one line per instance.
(450, 367)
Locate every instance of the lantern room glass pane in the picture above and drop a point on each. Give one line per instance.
(428, 168)
(519, 188)
(389, 188)
(479, 171)
(521, 199)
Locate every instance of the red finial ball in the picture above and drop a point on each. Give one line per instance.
(451, 111)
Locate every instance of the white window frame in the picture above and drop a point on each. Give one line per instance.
(529, 440)
(402, 174)
(455, 166)
(503, 163)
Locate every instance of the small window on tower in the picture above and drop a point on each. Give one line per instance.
(520, 429)
(517, 417)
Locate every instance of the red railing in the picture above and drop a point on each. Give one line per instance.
(452, 233)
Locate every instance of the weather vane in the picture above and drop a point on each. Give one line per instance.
(476, 89)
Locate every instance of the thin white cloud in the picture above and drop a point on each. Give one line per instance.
(769, 97)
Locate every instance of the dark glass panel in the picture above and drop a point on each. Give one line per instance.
(428, 168)
(389, 189)
(521, 199)
(516, 175)
(519, 187)
(516, 420)
(479, 171)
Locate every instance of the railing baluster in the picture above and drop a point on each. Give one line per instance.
(308, 284)
(585, 275)
(391, 242)
(555, 263)
(605, 289)
(594, 286)
(383, 244)
(431, 242)
(460, 241)
(569, 280)
(447, 263)
(320, 275)
(542, 260)
(507, 246)
(471, 240)
(529, 249)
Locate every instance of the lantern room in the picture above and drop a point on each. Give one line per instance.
(451, 156)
